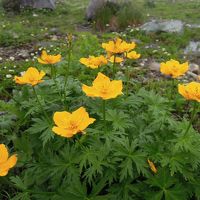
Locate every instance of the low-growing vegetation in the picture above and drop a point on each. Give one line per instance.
(81, 118)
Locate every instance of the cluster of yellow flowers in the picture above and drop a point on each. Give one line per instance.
(69, 124)
(175, 69)
(113, 49)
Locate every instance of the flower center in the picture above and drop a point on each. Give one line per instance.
(73, 126)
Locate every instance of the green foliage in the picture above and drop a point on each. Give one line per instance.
(118, 17)
(102, 164)
(106, 165)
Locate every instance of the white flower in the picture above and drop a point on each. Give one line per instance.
(35, 15)
(22, 73)
(11, 70)
(1, 58)
(8, 76)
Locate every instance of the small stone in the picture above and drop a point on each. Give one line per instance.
(194, 68)
(12, 58)
(154, 66)
(23, 53)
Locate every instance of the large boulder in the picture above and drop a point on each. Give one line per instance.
(94, 6)
(171, 26)
(38, 4)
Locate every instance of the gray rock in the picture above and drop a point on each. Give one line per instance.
(193, 48)
(23, 53)
(50, 4)
(94, 6)
(154, 66)
(172, 26)
(194, 68)
(193, 25)
(53, 30)
(193, 75)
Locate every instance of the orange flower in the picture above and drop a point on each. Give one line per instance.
(49, 59)
(104, 88)
(190, 91)
(94, 62)
(174, 68)
(69, 124)
(133, 55)
(152, 166)
(6, 163)
(118, 46)
(32, 76)
(116, 59)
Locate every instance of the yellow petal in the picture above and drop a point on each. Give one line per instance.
(62, 132)
(152, 166)
(3, 153)
(3, 173)
(42, 61)
(101, 79)
(89, 91)
(86, 122)
(12, 161)
(61, 119)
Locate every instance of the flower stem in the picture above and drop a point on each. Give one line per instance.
(127, 80)
(52, 75)
(193, 115)
(172, 88)
(104, 113)
(46, 115)
(114, 62)
(68, 65)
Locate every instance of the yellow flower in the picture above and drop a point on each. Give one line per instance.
(117, 59)
(118, 46)
(104, 88)
(69, 124)
(174, 68)
(190, 91)
(94, 62)
(133, 55)
(152, 166)
(49, 59)
(32, 76)
(6, 163)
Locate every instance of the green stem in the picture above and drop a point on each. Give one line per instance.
(172, 88)
(68, 66)
(46, 115)
(127, 80)
(193, 115)
(104, 113)
(51, 67)
(114, 62)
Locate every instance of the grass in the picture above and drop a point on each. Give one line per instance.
(32, 30)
